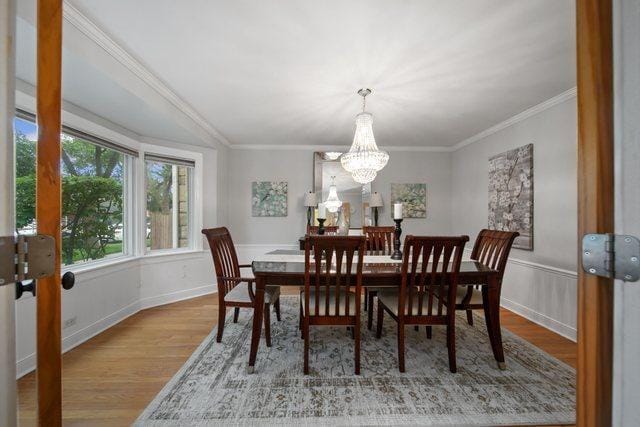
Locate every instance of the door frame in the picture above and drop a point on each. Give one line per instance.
(594, 19)
(8, 400)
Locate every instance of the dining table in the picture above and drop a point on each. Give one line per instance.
(286, 267)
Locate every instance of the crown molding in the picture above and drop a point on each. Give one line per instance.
(536, 109)
(341, 148)
(99, 37)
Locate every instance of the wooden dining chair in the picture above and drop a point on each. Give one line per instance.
(378, 239)
(313, 229)
(492, 249)
(331, 295)
(430, 265)
(233, 289)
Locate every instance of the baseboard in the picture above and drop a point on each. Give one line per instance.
(543, 320)
(28, 363)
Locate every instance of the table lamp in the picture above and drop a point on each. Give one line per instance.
(375, 203)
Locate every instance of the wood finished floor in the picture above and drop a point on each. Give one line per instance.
(111, 378)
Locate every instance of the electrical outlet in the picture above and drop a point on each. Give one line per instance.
(70, 322)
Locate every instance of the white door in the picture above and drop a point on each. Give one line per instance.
(626, 370)
(7, 292)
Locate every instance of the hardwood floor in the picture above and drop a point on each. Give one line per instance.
(111, 378)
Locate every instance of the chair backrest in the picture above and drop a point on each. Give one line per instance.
(430, 265)
(379, 238)
(492, 249)
(313, 229)
(330, 278)
(225, 259)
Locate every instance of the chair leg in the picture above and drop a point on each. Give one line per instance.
(305, 334)
(401, 347)
(357, 345)
(366, 300)
(429, 332)
(380, 319)
(267, 324)
(236, 313)
(416, 328)
(470, 317)
(300, 325)
(276, 305)
(222, 313)
(353, 333)
(451, 346)
(369, 298)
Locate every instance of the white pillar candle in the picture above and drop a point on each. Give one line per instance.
(322, 211)
(397, 210)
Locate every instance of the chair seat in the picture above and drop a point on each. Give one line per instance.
(332, 303)
(461, 292)
(240, 293)
(390, 299)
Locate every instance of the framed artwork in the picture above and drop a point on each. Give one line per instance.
(269, 198)
(413, 198)
(511, 194)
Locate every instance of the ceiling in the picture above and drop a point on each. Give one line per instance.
(273, 72)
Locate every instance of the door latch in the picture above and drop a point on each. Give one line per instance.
(613, 256)
(26, 257)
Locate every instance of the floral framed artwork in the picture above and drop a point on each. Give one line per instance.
(413, 198)
(511, 194)
(269, 198)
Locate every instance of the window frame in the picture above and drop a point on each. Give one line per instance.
(129, 154)
(195, 199)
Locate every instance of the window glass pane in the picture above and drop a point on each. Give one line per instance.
(92, 201)
(168, 205)
(92, 195)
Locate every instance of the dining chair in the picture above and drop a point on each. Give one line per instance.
(233, 289)
(331, 295)
(378, 239)
(429, 266)
(313, 229)
(492, 249)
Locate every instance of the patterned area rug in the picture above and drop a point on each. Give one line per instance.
(213, 387)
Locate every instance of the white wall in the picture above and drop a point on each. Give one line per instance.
(539, 284)
(296, 167)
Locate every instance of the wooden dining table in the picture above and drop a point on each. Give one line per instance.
(286, 268)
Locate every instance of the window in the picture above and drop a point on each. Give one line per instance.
(93, 192)
(169, 183)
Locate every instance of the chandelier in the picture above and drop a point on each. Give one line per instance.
(364, 159)
(333, 203)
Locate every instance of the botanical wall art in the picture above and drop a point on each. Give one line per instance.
(511, 194)
(413, 198)
(269, 198)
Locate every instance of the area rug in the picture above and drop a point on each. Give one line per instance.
(214, 388)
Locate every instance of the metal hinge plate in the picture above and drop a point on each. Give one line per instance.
(611, 255)
(26, 257)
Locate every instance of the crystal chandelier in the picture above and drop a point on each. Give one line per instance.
(364, 159)
(333, 203)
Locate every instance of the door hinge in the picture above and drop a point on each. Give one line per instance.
(613, 256)
(26, 257)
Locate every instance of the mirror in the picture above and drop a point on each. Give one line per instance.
(355, 197)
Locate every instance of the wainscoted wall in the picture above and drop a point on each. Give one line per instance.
(106, 295)
(540, 284)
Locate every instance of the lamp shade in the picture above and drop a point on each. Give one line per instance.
(310, 199)
(376, 200)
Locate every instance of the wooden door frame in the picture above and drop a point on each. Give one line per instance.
(594, 35)
(48, 208)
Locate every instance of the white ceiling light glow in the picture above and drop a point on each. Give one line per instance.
(364, 160)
